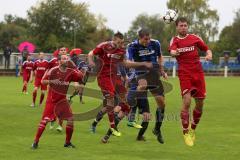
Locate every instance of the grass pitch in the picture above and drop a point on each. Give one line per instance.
(217, 137)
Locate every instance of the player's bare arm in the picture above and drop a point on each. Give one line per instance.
(131, 64)
(160, 62)
(90, 59)
(208, 55)
(31, 77)
(174, 53)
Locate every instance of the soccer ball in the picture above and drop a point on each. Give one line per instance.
(170, 16)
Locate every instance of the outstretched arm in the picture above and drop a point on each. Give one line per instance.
(130, 64)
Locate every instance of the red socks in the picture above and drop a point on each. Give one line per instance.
(34, 96)
(185, 120)
(69, 132)
(111, 118)
(41, 128)
(196, 118)
(41, 98)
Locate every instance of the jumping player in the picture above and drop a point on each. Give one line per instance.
(145, 49)
(185, 47)
(111, 53)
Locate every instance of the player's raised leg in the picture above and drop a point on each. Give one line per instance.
(98, 118)
(159, 118)
(41, 97)
(69, 132)
(41, 128)
(34, 96)
(185, 119)
(197, 113)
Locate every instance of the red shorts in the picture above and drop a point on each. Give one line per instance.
(194, 84)
(63, 110)
(48, 112)
(111, 85)
(37, 83)
(26, 77)
(119, 86)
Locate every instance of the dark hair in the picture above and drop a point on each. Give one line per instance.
(143, 32)
(118, 35)
(181, 19)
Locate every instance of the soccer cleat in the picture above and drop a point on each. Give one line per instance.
(32, 105)
(115, 132)
(188, 139)
(105, 139)
(159, 136)
(69, 145)
(192, 134)
(141, 138)
(134, 124)
(40, 105)
(34, 145)
(59, 128)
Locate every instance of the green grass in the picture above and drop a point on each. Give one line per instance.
(218, 135)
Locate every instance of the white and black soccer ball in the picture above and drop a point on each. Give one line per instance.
(170, 16)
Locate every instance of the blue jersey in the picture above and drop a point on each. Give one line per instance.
(139, 53)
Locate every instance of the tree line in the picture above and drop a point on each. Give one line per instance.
(52, 23)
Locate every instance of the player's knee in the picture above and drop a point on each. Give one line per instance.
(187, 100)
(142, 85)
(199, 103)
(117, 109)
(70, 121)
(125, 108)
(160, 101)
(110, 101)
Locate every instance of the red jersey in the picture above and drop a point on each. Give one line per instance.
(53, 63)
(188, 46)
(58, 89)
(40, 66)
(27, 67)
(110, 57)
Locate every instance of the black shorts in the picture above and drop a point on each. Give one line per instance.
(143, 105)
(154, 83)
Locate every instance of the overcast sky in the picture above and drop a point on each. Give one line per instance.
(120, 13)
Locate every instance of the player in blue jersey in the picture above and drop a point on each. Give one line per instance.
(145, 49)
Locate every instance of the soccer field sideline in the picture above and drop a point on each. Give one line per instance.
(217, 136)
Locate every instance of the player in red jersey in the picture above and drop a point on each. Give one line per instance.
(40, 67)
(58, 79)
(53, 63)
(191, 76)
(27, 69)
(111, 53)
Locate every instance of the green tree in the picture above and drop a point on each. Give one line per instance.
(55, 22)
(203, 20)
(11, 34)
(13, 30)
(229, 38)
